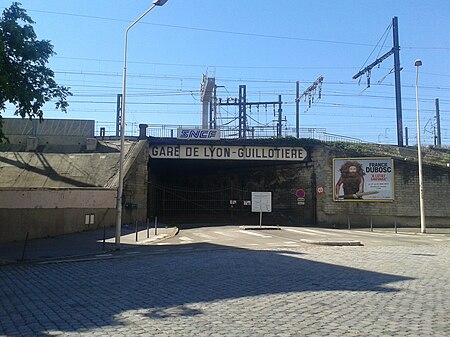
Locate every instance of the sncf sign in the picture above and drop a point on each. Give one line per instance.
(198, 134)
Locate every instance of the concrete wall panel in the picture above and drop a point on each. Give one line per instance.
(39, 223)
(57, 198)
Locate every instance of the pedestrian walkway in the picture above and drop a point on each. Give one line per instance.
(81, 244)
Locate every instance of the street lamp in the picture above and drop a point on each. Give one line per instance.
(418, 63)
(122, 125)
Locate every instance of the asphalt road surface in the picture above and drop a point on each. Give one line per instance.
(293, 236)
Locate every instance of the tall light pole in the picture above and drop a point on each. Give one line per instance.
(122, 125)
(418, 63)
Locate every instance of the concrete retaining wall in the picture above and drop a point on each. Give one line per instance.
(47, 212)
(136, 185)
(40, 223)
(49, 131)
(57, 198)
(50, 212)
(403, 211)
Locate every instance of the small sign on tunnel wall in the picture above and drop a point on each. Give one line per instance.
(89, 219)
(320, 190)
(300, 193)
(262, 202)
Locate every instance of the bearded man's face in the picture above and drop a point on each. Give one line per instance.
(351, 173)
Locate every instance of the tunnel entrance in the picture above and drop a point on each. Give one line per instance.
(192, 192)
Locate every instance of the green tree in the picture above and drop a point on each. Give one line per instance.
(25, 81)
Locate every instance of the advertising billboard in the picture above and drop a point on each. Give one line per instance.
(363, 179)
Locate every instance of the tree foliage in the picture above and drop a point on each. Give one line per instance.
(25, 81)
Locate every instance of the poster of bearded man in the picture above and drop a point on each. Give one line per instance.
(362, 179)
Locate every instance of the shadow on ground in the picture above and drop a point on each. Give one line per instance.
(69, 245)
(83, 296)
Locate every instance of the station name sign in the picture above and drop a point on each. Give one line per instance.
(198, 133)
(227, 152)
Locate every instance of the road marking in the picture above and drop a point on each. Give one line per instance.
(204, 236)
(252, 244)
(290, 243)
(307, 232)
(297, 231)
(163, 243)
(185, 238)
(225, 234)
(321, 232)
(255, 234)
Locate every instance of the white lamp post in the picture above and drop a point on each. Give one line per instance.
(418, 63)
(122, 125)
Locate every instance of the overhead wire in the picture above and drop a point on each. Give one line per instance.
(375, 47)
(209, 30)
(321, 105)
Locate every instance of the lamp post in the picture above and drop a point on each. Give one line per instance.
(418, 63)
(122, 125)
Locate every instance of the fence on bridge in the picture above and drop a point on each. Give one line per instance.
(170, 131)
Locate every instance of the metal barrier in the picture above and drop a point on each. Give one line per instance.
(257, 132)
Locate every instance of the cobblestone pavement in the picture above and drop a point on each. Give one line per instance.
(225, 291)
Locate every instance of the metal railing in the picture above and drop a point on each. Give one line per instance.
(259, 132)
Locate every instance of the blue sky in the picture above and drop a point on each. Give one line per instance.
(265, 45)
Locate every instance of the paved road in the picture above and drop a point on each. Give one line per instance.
(228, 282)
(292, 237)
